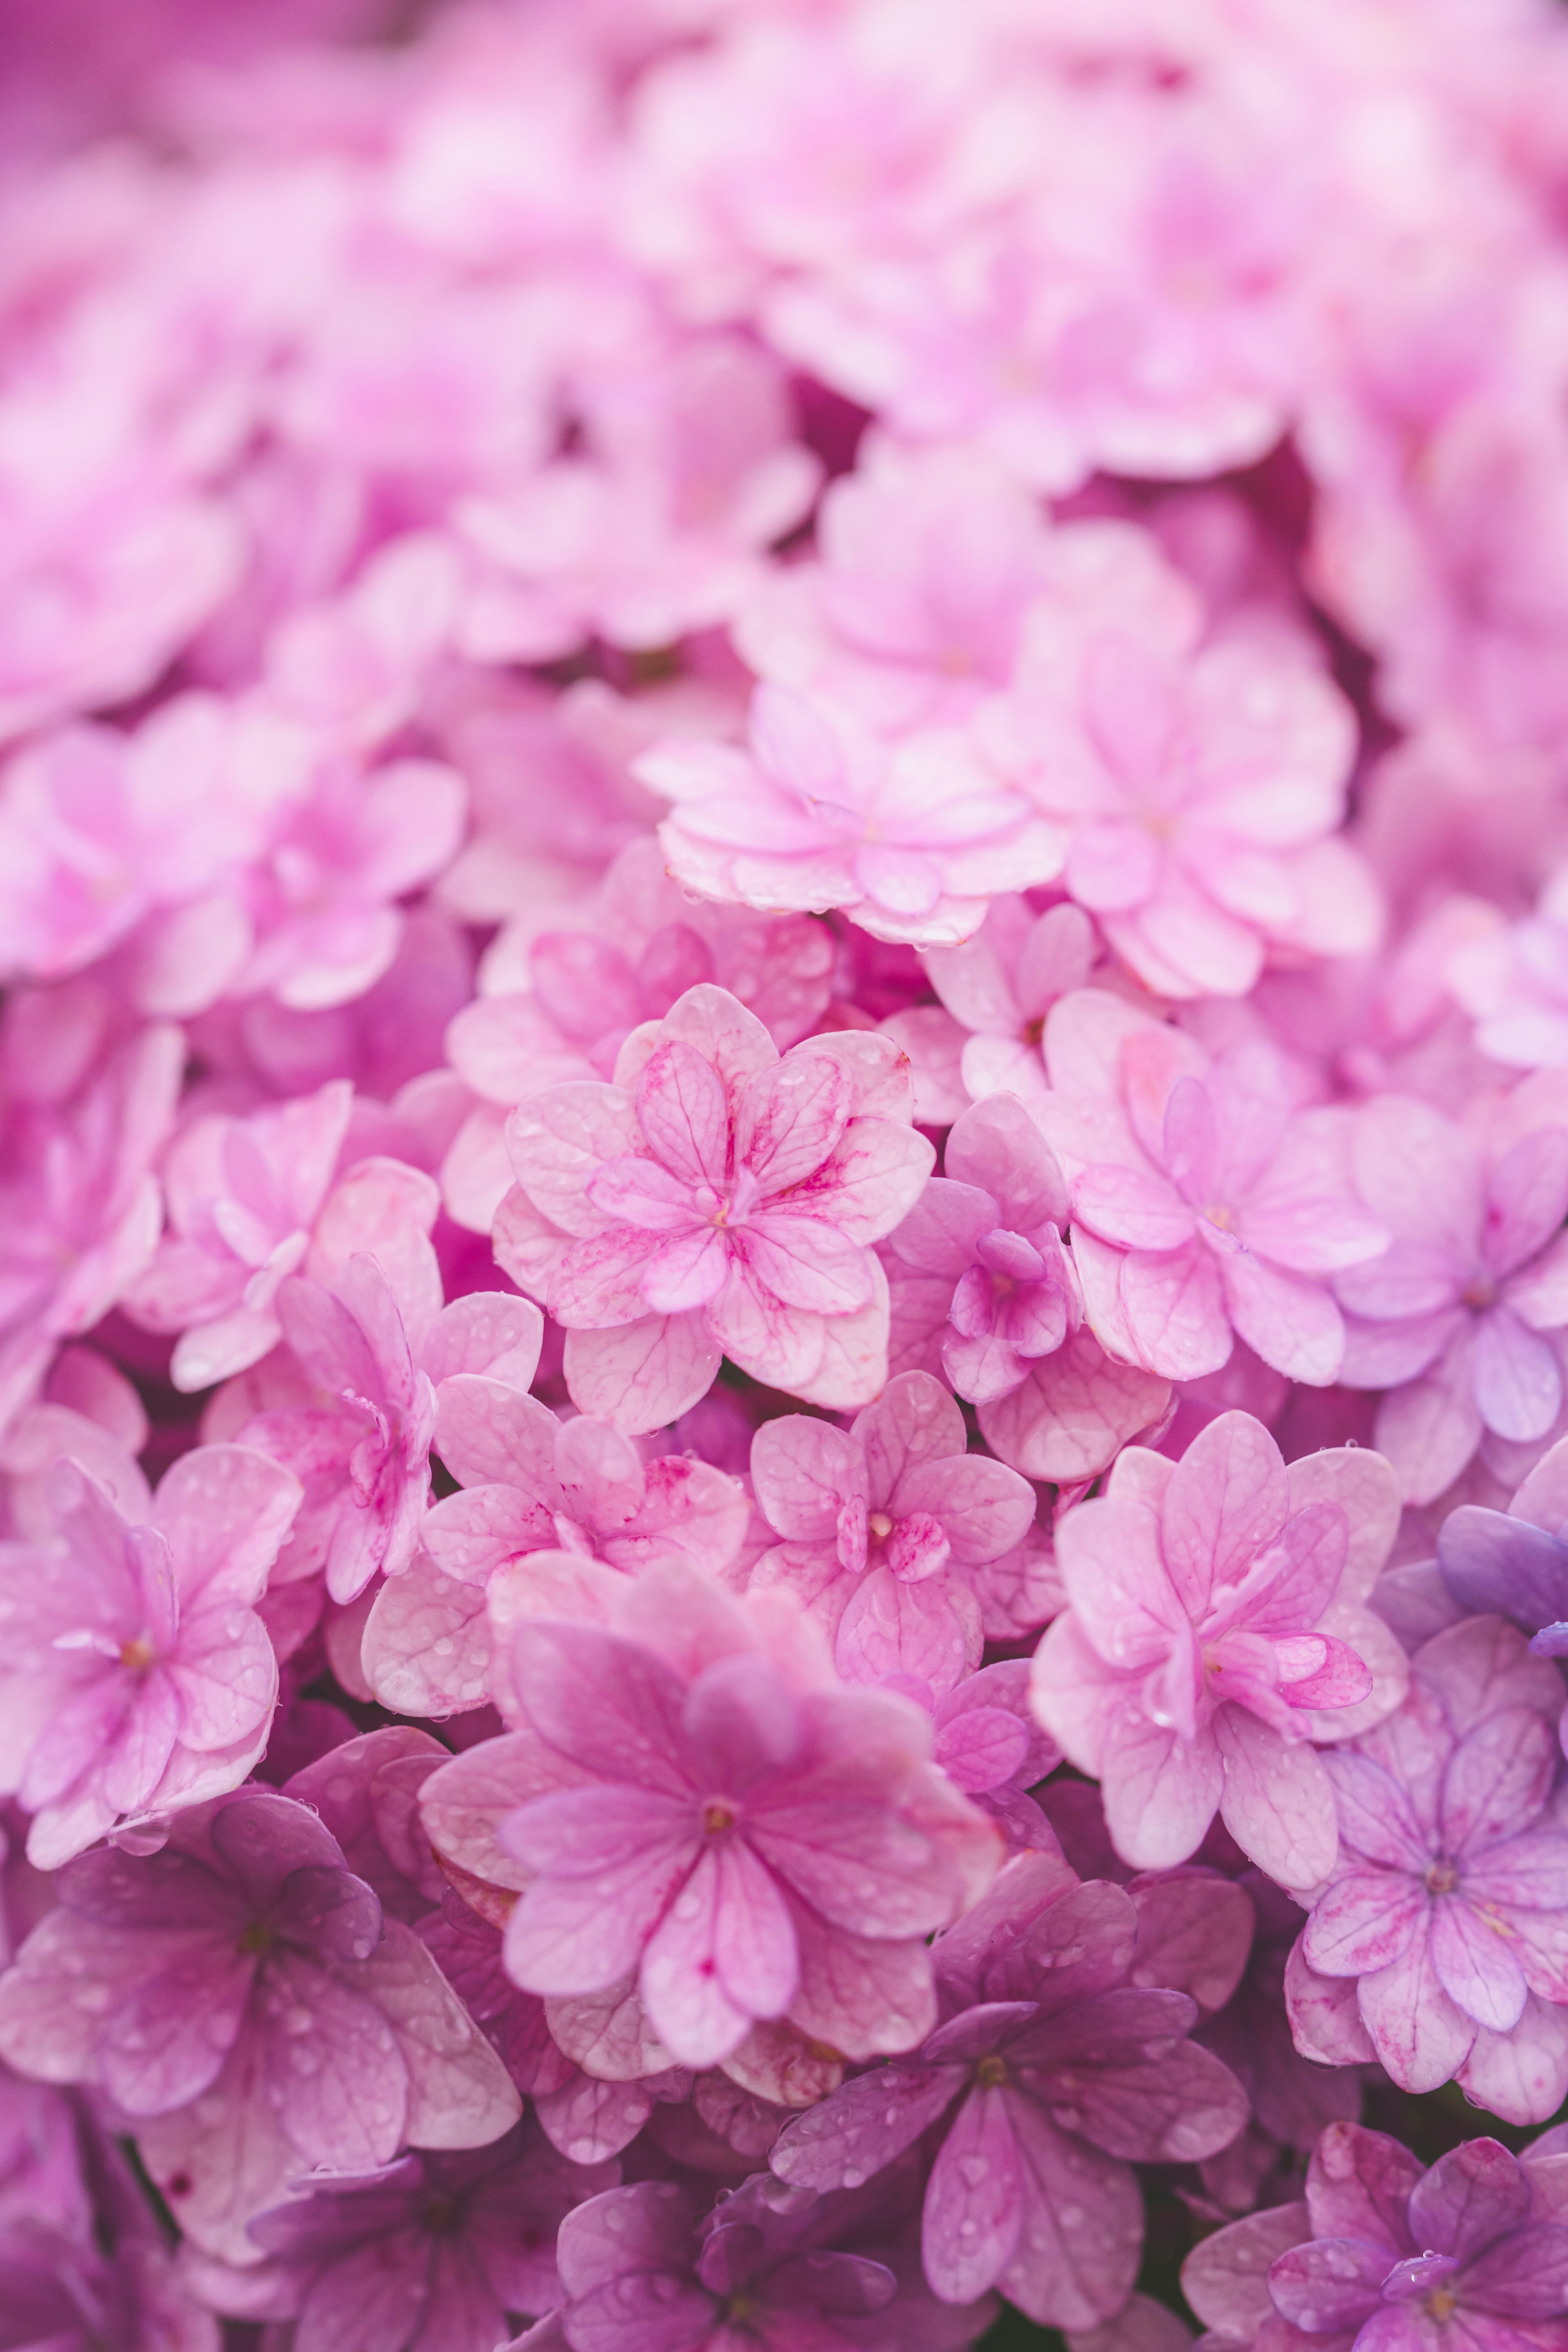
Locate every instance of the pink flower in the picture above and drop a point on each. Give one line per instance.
(1386, 2254)
(1067, 2065)
(432, 2255)
(138, 1676)
(1207, 1206)
(1512, 978)
(656, 530)
(716, 1200)
(1195, 787)
(243, 1197)
(536, 1489)
(241, 1999)
(990, 1744)
(913, 608)
(563, 1007)
(696, 1806)
(1215, 1628)
(1448, 1905)
(996, 990)
(372, 1356)
(979, 1281)
(80, 1204)
(879, 1525)
(910, 839)
(1460, 1321)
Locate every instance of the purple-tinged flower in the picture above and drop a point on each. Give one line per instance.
(880, 1523)
(1215, 1629)
(435, 2253)
(1449, 1904)
(1514, 1563)
(690, 1800)
(979, 1284)
(717, 1200)
(1063, 2065)
(1386, 2256)
(990, 1744)
(996, 990)
(367, 1792)
(769, 2267)
(1460, 1323)
(241, 1999)
(137, 1676)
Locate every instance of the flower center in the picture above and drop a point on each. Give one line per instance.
(1479, 1293)
(1441, 1877)
(716, 1818)
(1221, 1216)
(258, 1937)
(1441, 2304)
(138, 1655)
(879, 1526)
(991, 2074)
(1034, 1030)
(439, 2216)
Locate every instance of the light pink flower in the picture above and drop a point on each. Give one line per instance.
(980, 1283)
(1513, 980)
(716, 1200)
(693, 1803)
(1448, 1910)
(79, 1205)
(880, 1525)
(688, 472)
(562, 1004)
(535, 1488)
(253, 1201)
(1194, 788)
(914, 606)
(137, 1676)
(996, 989)
(1461, 1321)
(1207, 1205)
(1215, 1628)
(910, 839)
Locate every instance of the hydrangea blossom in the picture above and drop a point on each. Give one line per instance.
(138, 1676)
(1445, 1909)
(879, 1525)
(1385, 2252)
(1066, 2067)
(1207, 1204)
(1457, 1322)
(1216, 1624)
(717, 1199)
(240, 1997)
(690, 1800)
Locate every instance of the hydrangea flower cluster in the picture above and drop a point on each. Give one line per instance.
(783, 1175)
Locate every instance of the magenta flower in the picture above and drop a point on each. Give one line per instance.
(80, 1204)
(535, 1488)
(980, 1284)
(911, 839)
(1460, 1323)
(1066, 2066)
(138, 1676)
(241, 1999)
(1449, 1905)
(437, 2253)
(1207, 1205)
(1386, 2256)
(990, 1745)
(717, 1200)
(879, 1524)
(690, 1809)
(1194, 788)
(1215, 1628)
(638, 2266)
